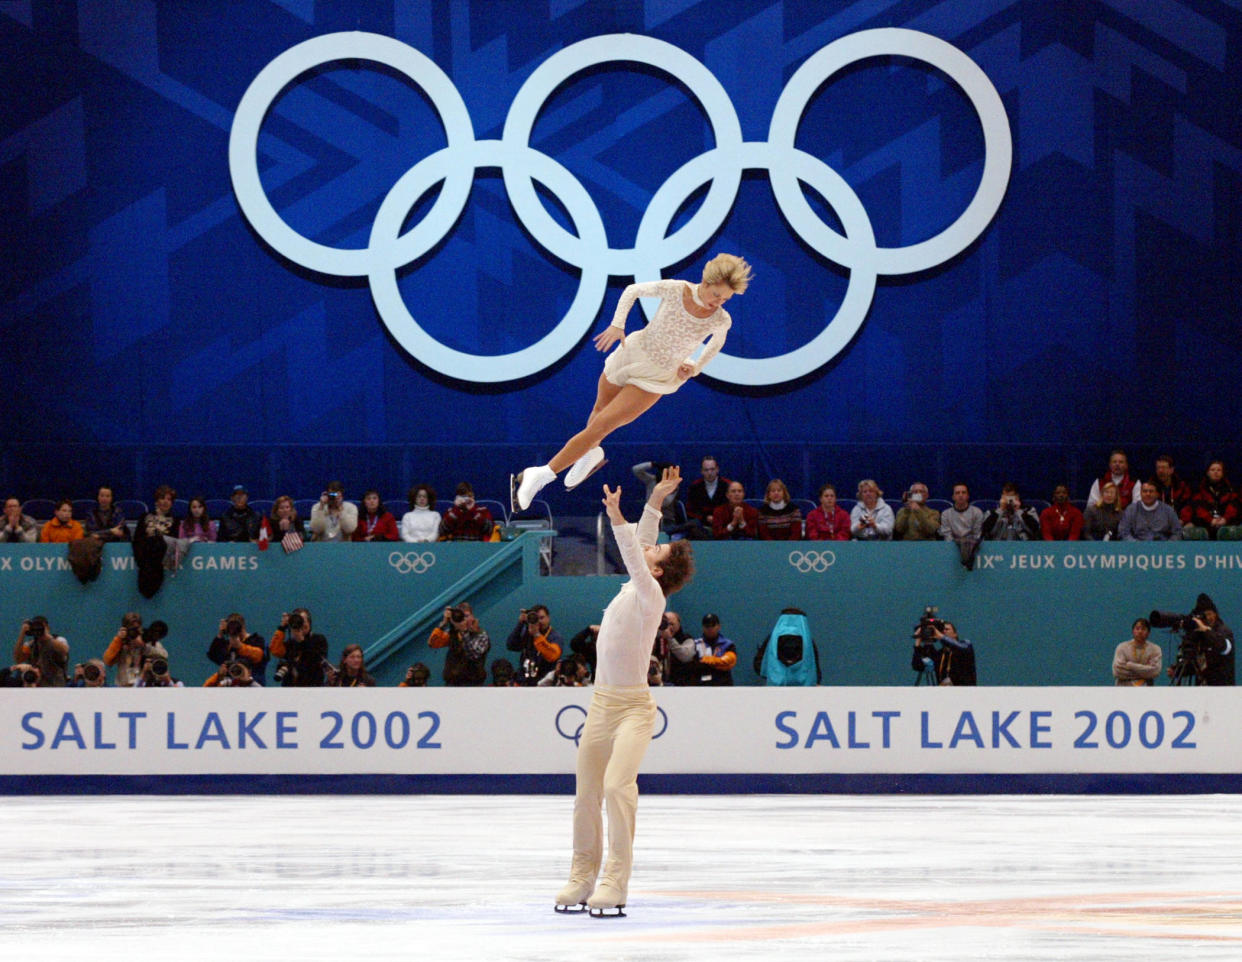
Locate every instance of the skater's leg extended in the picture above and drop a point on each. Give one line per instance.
(615, 411)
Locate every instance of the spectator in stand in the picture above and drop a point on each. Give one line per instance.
(105, 521)
(703, 497)
(155, 542)
(1214, 505)
(126, 649)
(872, 519)
(828, 522)
(1010, 520)
(916, 521)
(47, 652)
(670, 639)
(239, 522)
(1119, 473)
(1170, 487)
(963, 525)
(352, 672)
(1102, 519)
(779, 519)
(196, 526)
(735, 520)
(422, 522)
(1061, 521)
(283, 521)
(333, 518)
(18, 528)
(1149, 519)
(62, 528)
(539, 644)
(465, 662)
(233, 643)
(1135, 662)
(375, 522)
(715, 655)
(466, 520)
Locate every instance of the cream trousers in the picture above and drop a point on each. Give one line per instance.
(614, 739)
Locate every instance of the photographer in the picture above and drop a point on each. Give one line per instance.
(303, 654)
(676, 652)
(916, 521)
(583, 643)
(465, 663)
(1205, 654)
(49, 653)
(1135, 662)
(416, 676)
(538, 642)
(125, 650)
(571, 672)
(1009, 520)
(21, 675)
(715, 655)
(93, 674)
(232, 674)
(233, 643)
(953, 661)
(155, 671)
(333, 518)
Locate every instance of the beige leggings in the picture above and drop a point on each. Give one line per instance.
(615, 738)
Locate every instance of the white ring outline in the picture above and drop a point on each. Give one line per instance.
(412, 562)
(786, 165)
(812, 561)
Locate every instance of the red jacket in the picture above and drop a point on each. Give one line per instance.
(821, 528)
(382, 528)
(1061, 523)
(723, 517)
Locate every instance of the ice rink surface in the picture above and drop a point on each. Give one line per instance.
(868, 878)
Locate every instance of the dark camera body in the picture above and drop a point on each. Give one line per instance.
(928, 625)
(1172, 620)
(237, 670)
(532, 617)
(159, 667)
(456, 615)
(91, 672)
(233, 626)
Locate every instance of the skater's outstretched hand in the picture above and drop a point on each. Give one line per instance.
(608, 337)
(612, 504)
(667, 484)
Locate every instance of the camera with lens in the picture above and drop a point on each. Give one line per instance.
(283, 671)
(532, 617)
(928, 625)
(30, 676)
(35, 627)
(159, 667)
(1173, 621)
(234, 626)
(457, 616)
(664, 622)
(237, 670)
(91, 672)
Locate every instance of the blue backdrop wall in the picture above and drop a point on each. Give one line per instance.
(154, 331)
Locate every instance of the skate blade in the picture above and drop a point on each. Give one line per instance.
(610, 913)
(514, 481)
(589, 473)
(571, 909)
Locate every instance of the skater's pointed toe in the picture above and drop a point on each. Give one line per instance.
(584, 467)
(529, 483)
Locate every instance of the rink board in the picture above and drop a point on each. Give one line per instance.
(706, 740)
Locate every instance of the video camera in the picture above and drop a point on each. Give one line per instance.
(1173, 621)
(928, 625)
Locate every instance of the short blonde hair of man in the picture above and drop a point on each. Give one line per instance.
(727, 269)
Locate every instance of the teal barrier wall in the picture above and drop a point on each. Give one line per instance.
(1038, 614)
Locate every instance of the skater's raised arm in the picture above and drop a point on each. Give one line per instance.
(648, 531)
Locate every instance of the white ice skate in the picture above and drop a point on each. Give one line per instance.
(524, 486)
(606, 902)
(572, 899)
(584, 467)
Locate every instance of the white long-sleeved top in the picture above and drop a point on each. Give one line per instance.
(421, 524)
(674, 333)
(631, 620)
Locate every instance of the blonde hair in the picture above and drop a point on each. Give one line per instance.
(727, 269)
(868, 483)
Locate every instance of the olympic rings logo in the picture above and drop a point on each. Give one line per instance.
(567, 729)
(388, 250)
(411, 562)
(808, 561)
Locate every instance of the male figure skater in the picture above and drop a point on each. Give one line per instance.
(622, 712)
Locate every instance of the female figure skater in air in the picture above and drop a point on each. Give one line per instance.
(622, 712)
(649, 363)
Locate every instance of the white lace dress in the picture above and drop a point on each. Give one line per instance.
(650, 357)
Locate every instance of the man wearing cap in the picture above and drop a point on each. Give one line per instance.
(716, 654)
(240, 522)
(1215, 640)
